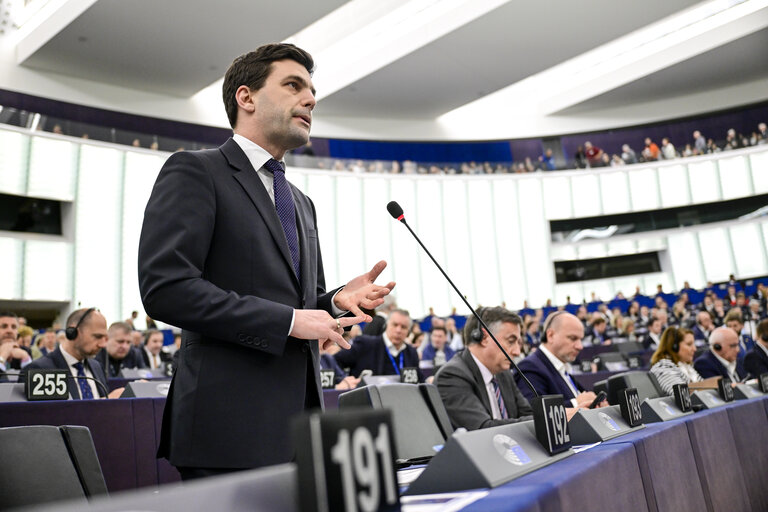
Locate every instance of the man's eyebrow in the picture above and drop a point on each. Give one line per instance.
(297, 78)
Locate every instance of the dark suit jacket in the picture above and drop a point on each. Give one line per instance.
(708, 366)
(214, 261)
(112, 366)
(376, 326)
(756, 362)
(370, 353)
(465, 397)
(55, 361)
(544, 378)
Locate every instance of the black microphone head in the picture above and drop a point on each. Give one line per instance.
(395, 211)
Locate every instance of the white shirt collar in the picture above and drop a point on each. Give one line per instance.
(69, 358)
(484, 371)
(391, 346)
(730, 366)
(560, 366)
(257, 155)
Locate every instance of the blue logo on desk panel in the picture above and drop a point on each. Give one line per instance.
(608, 422)
(510, 450)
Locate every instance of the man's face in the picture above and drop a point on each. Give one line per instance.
(735, 325)
(730, 345)
(136, 338)
(283, 107)
(600, 327)
(118, 343)
(655, 327)
(397, 328)
(438, 339)
(92, 336)
(155, 343)
(49, 340)
(9, 329)
(564, 338)
(508, 335)
(705, 320)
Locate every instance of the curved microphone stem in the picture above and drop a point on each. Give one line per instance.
(100, 384)
(401, 218)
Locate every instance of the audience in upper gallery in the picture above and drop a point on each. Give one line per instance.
(386, 354)
(437, 352)
(150, 352)
(667, 149)
(476, 387)
(672, 362)
(722, 357)
(593, 153)
(756, 360)
(628, 154)
(651, 151)
(88, 335)
(549, 367)
(119, 352)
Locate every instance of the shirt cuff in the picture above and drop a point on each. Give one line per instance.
(575, 402)
(293, 319)
(336, 312)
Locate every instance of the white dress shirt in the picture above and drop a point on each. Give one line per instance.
(71, 362)
(730, 367)
(562, 368)
(487, 378)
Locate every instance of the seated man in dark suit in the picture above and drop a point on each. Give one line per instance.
(438, 352)
(653, 338)
(12, 355)
(86, 335)
(119, 353)
(722, 357)
(387, 354)
(549, 368)
(340, 378)
(756, 360)
(703, 328)
(476, 386)
(150, 350)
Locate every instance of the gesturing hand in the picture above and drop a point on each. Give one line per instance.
(363, 292)
(316, 324)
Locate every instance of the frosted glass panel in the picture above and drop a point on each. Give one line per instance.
(716, 252)
(563, 252)
(52, 165)
(322, 190)
(429, 210)
(615, 192)
(407, 255)
(47, 270)
(603, 289)
(586, 195)
(13, 162)
(458, 252)
(749, 250)
(621, 247)
(651, 244)
(535, 234)
(673, 182)
(509, 244)
(141, 170)
(349, 224)
(735, 180)
(644, 188)
(625, 285)
(377, 228)
(10, 284)
(98, 231)
(557, 197)
(482, 236)
(564, 290)
(592, 251)
(651, 280)
(685, 259)
(759, 164)
(705, 183)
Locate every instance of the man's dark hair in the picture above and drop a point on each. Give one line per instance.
(253, 68)
(9, 314)
(438, 328)
(148, 334)
(493, 317)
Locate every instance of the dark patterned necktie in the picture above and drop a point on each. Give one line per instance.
(502, 407)
(286, 210)
(85, 388)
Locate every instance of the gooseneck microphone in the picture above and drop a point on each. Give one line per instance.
(396, 212)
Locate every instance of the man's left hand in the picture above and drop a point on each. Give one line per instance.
(363, 292)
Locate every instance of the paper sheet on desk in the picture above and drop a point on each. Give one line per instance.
(581, 447)
(446, 502)
(406, 476)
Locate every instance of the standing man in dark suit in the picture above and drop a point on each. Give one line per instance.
(721, 360)
(229, 252)
(476, 386)
(386, 354)
(549, 368)
(756, 360)
(86, 335)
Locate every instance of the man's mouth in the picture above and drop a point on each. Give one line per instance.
(307, 119)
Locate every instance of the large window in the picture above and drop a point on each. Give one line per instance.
(30, 215)
(601, 268)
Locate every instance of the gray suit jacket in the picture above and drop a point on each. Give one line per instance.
(214, 261)
(465, 397)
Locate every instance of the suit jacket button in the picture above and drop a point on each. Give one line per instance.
(304, 348)
(264, 343)
(248, 340)
(241, 337)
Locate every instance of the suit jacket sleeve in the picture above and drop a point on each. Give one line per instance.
(179, 227)
(535, 374)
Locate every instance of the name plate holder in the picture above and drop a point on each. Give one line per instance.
(484, 458)
(47, 385)
(706, 399)
(762, 382)
(589, 426)
(745, 392)
(409, 375)
(660, 409)
(327, 378)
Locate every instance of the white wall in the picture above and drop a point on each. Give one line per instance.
(490, 233)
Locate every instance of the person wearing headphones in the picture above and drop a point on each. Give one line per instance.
(672, 361)
(722, 358)
(86, 335)
(549, 367)
(756, 360)
(476, 387)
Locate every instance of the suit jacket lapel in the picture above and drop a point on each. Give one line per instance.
(61, 363)
(250, 181)
(466, 355)
(565, 390)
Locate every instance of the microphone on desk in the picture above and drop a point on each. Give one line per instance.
(396, 212)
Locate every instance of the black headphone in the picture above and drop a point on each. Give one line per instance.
(71, 332)
(548, 324)
(717, 347)
(477, 333)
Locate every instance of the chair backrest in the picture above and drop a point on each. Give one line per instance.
(612, 361)
(629, 347)
(642, 381)
(36, 467)
(83, 454)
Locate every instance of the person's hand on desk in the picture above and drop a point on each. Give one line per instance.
(585, 399)
(316, 324)
(349, 382)
(363, 292)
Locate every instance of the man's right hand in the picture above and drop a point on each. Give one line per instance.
(316, 324)
(585, 398)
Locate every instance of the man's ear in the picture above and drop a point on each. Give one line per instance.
(245, 99)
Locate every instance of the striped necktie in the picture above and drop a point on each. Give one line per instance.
(499, 399)
(286, 210)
